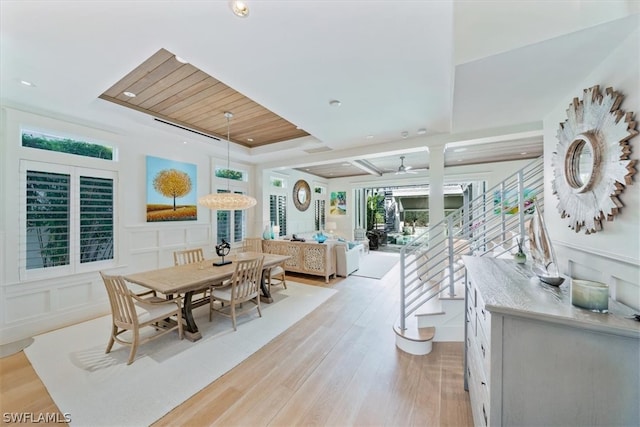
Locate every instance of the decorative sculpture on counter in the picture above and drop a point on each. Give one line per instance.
(222, 250)
(545, 265)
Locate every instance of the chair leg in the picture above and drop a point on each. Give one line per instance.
(134, 346)
(284, 281)
(258, 304)
(233, 315)
(210, 306)
(114, 331)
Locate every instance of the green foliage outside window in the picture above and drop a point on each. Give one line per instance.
(230, 174)
(277, 182)
(66, 145)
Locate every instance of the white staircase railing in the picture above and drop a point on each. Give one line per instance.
(490, 224)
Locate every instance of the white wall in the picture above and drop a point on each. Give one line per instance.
(297, 221)
(30, 307)
(612, 255)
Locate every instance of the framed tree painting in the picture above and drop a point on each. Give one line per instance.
(171, 190)
(338, 203)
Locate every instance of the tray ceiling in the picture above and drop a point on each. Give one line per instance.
(183, 95)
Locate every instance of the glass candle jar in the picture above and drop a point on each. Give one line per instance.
(591, 295)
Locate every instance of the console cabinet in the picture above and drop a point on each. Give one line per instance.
(306, 257)
(533, 359)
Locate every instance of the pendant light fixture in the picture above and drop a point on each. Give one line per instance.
(227, 201)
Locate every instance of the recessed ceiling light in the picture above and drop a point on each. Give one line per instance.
(181, 60)
(346, 164)
(129, 94)
(184, 142)
(250, 139)
(459, 160)
(239, 8)
(335, 103)
(369, 136)
(459, 150)
(422, 131)
(26, 83)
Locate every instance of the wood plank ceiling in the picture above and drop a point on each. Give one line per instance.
(181, 94)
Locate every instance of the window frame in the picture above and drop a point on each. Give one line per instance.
(74, 266)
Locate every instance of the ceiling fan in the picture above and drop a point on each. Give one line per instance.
(402, 169)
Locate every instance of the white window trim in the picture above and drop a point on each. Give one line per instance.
(74, 266)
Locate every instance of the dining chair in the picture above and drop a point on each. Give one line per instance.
(188, 256)
(130, 312)
(252, 244)
(244, 287)
(277, 273)
(191, 256)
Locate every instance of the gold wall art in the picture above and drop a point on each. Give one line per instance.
(591, 163)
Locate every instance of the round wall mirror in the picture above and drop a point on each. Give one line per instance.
(581, 162)
(301, 195)
(591, 164)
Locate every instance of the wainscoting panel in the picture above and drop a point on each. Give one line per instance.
(173, 237)
(76, 295)
(626, 292)
(37, 306)
(199, 235)
(143, 239)
(621, 274)
(27, 306)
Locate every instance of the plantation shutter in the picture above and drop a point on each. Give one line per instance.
(47, 219)
(239, 226)
(96, 219)
(224, 223)
(278, 212)
(319, 214)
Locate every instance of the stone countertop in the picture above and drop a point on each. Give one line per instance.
(513, 289)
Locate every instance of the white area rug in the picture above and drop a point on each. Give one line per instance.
(98, 389)
(376, 264)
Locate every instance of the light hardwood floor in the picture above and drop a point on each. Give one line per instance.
(336, 367)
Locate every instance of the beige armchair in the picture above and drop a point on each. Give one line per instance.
(130, 312)
(347, 260)
(360, 236)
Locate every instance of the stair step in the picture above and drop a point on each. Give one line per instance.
(413, 332)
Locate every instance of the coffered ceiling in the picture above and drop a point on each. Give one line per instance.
(408, 74)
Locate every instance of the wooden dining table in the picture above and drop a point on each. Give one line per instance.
(189, 279)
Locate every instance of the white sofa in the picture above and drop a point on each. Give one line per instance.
(347, 260)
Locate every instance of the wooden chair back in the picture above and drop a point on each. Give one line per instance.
(252, 244)
(123, 308)
(188, 256)
(246, 279)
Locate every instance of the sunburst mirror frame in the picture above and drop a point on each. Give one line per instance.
(301, 195)
(591, 163)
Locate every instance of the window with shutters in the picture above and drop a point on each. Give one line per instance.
(278, 212)
(67, 219)
(231, 220)
(319, 219)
